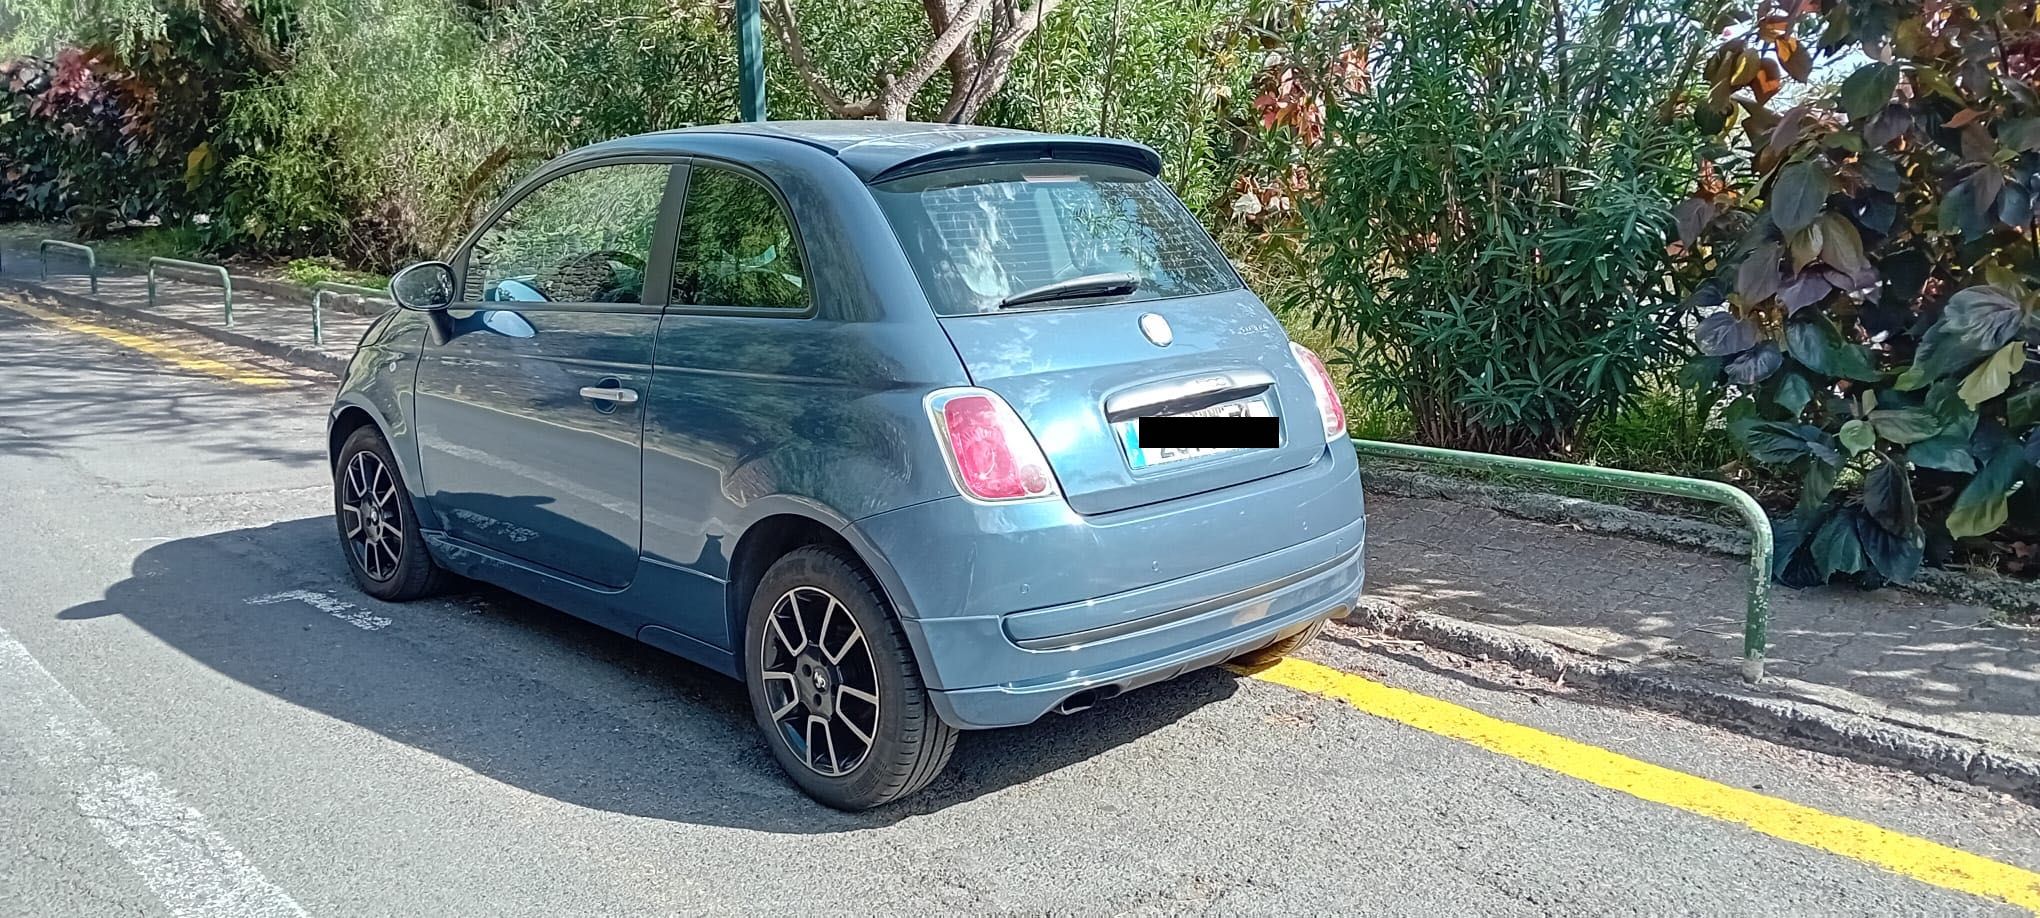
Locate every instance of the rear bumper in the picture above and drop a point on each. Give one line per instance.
(1007, 617)
(1202, 640)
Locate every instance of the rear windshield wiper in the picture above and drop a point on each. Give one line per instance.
(1117, 283)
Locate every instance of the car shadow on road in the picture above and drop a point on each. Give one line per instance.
(536, 699)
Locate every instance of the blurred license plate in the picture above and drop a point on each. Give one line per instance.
(1140, 458)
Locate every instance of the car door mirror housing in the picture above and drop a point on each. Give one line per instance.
(426, 286)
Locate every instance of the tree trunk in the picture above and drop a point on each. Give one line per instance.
(973, 79)
(233, 18)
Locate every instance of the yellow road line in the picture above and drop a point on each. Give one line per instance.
(161, 350)
(1894, 851)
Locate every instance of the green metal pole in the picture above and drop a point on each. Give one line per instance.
(750, 61)
(1757, 616)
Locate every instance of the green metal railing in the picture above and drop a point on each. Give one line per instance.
(319, 291)
(226, 281)
(1755, 621)
(42, 251)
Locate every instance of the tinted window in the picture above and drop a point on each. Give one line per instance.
(736, 246)
(978, 235)
(580, 238)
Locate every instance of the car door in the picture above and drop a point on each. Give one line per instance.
(530, 412)
(742, 366)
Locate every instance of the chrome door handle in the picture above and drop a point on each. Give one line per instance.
(606, 394)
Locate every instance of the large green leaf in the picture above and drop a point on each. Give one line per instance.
(1992, 377)
(1985, 502)
(2023, 408)
(1977, 321)
(2015, 205)
(1788, 535)
(1815, 342)
(1888, 497)
(1724, 333)
(1754, 365)
(1983, 317)
(1781, 443)
(1757, 278)
(1858, 435)
(1879, 170)
(1906, 425)
(1798, 195)
(2021, 134)
(1804, 246)
(1804, 290)
(1842, 249)
(1942, 452)
(1969, 205)
(1949, 449)
(1817, 483)
(1836, 550)
(1889, 122)
(1894, 555)
(1691, 217)
(1793, 394)
(1869, 88)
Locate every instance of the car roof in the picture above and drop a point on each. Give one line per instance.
(882, 150)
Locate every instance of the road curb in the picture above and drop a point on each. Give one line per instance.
(1795, 722)
(1996, 591)
(306, 357)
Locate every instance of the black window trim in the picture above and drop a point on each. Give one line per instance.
(658, 262)
(687, 166)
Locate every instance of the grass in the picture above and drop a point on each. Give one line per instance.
(325, 269)
(138, 247)
(1662, 431)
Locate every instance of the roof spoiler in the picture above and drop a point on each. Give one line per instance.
(1022, 148)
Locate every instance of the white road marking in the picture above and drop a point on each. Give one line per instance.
(338, 608)
(189, 866)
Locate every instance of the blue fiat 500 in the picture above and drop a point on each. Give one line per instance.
(854, 412)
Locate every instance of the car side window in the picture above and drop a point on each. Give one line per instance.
(580, 238)
(736, 246)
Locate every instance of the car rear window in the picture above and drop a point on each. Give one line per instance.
(980, 234)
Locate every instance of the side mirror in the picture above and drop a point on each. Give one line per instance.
(426, 286)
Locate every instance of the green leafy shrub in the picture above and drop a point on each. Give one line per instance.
(1873, 305)
(67, 121)
(1491, 208)
(121, 133)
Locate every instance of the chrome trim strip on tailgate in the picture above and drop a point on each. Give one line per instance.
(1186, 395)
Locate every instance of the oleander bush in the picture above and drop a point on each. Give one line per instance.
(1490, 205)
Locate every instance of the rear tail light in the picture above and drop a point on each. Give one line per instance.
(1322, 389)
(991, 453)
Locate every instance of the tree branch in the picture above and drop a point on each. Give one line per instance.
(974, 75)
(232, 16)
(897, 92)
(779, 16)
(962, 64)
(998, 62)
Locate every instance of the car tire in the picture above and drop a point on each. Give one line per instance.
(1272, 653)
(834, 686)
(378, 524)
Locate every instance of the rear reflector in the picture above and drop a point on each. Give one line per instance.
(991, 453)
(1321, 388)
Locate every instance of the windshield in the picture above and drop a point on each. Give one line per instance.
(979, 235)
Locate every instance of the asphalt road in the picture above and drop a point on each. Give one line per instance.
(199, 715)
